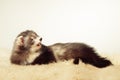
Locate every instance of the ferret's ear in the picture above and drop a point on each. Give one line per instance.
(20, 40)
(41, 39)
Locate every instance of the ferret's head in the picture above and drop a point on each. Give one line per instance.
(29, 40)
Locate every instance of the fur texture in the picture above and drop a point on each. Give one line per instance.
(31, 52)
(45, 57)
(79, 51)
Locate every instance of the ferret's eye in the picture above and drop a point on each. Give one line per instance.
(40, 39)
(32, 42)
(31, 39)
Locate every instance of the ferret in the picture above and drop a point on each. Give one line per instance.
(28, 50)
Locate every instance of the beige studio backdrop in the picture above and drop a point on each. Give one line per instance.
(95, 22)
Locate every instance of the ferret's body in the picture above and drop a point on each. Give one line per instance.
(66, 51)
(78, 51)
(28, 50)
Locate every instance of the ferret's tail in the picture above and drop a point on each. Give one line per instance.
(96, 60)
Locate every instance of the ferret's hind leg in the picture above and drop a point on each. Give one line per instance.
(76, 61)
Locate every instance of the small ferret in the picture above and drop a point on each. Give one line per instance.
(28, 50)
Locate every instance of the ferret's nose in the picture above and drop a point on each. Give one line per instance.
(38, 44)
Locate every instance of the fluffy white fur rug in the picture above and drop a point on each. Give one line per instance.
(58, 71)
